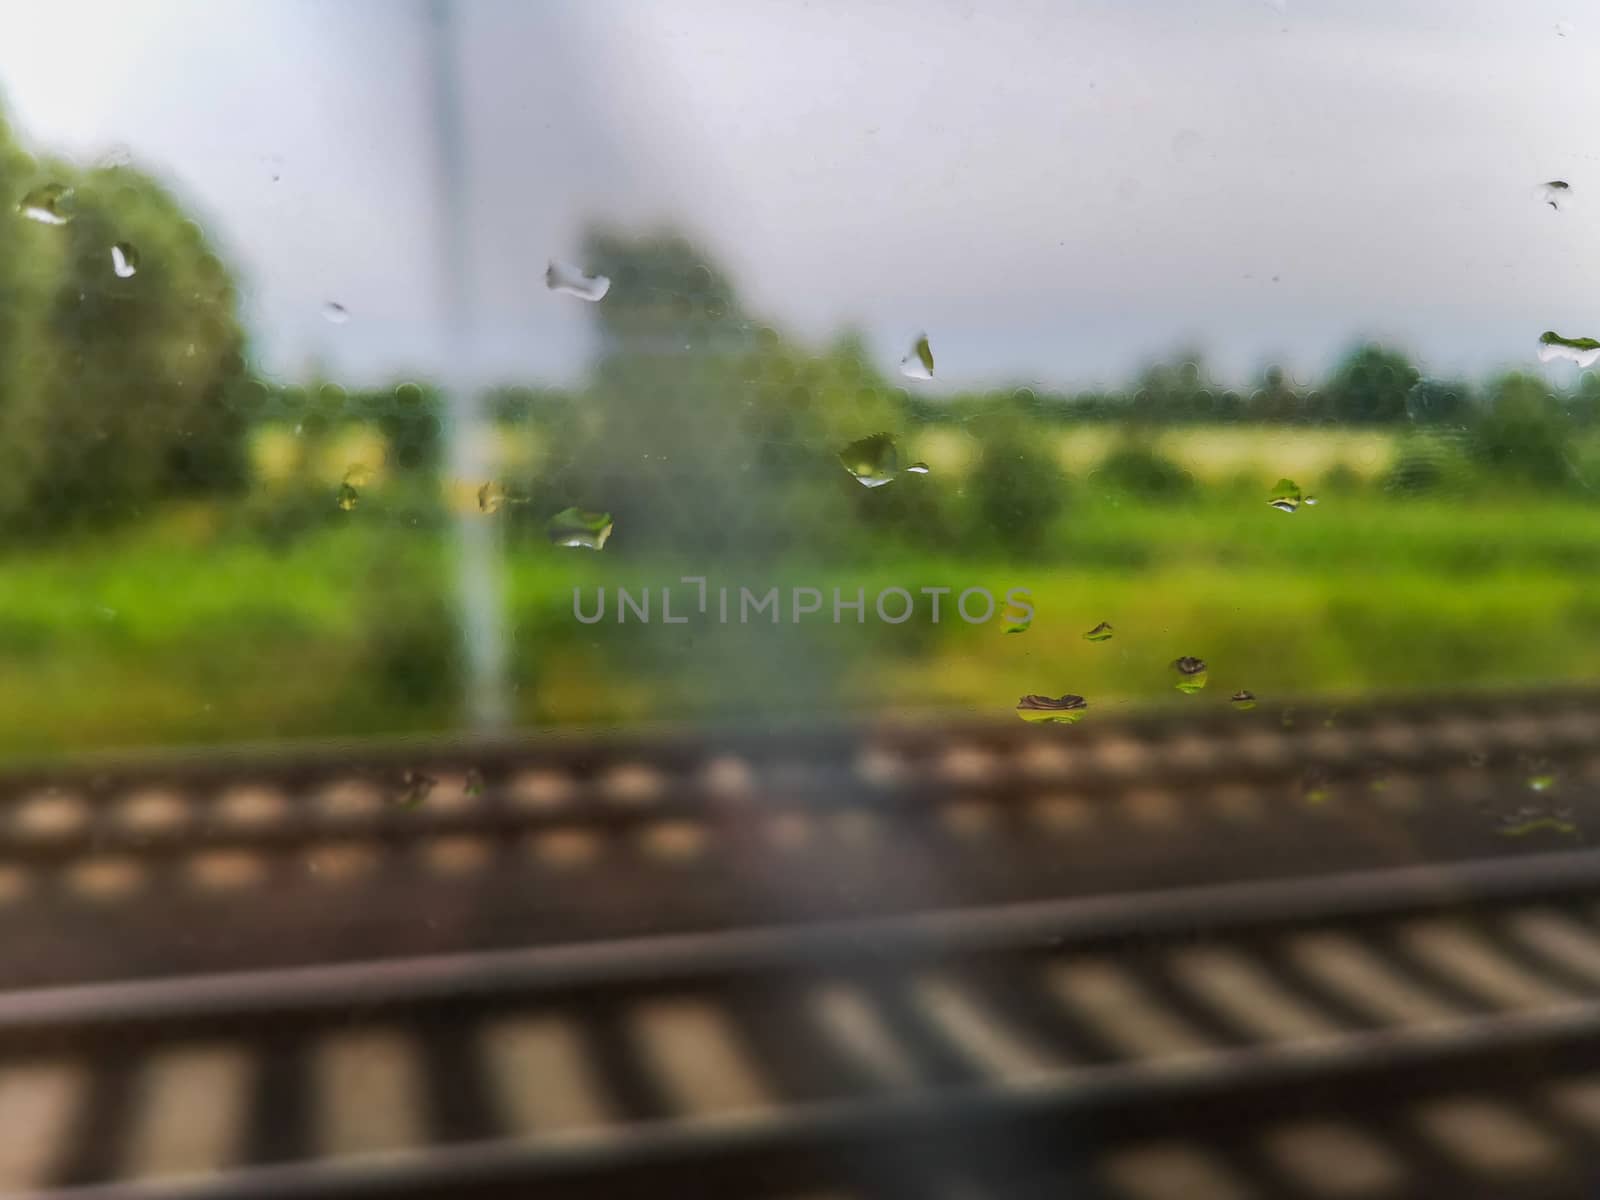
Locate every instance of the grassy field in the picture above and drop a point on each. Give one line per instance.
(181, 632)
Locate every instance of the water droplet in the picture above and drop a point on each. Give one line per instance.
(1563, 28)
(358, 475)
(873, 461)
(1285, 496)
(49, 204)
(1542, 782)
(917, 468)
(124, 260)
(1100, 633)
(1243, 700)
(472, 786)
(335, 313)
(1585, 351)
(1021, 626)
(1192, 674)
(1311, 501)
(564, 277)
(1065, 710)
(491, 496)
(919, 363)
(414, 788)
(579, 529)
(1535, 818)
(1557, 193)
(348, 497)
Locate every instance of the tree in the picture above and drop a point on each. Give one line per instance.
(1019, 488)
(702, 431)
(1524, 435)
(119, 377)
(1370, 386)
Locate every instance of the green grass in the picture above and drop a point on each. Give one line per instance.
(181, 633)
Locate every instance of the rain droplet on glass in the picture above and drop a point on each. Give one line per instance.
(1192, 674)
(1063, 710)
(1100, 633)
(1285, 496)
(335, 313)
(124, 260)
(1534, 818)
(49, 204)
(919, 363)
(580, 529)
(873, 461)
(564, 277)
(1557, 193)
(414, 788)
(1585, 351)
(1243, 700)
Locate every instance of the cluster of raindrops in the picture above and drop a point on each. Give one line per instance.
(1192, 676)
(56, 204)
(1556, 193)
(1554, 347)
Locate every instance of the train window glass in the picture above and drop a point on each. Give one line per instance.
(477, 477)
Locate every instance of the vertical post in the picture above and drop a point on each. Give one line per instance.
(479, 597)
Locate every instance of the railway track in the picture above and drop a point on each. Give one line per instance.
(1135, 959)
(1372, 1035)
(185, 864)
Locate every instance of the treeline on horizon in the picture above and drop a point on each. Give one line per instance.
(697, 424)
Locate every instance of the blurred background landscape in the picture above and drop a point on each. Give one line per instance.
(182, 561)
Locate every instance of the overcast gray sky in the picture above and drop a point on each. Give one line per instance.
(1056, 190)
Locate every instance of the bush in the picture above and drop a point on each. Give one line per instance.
(1141, 471)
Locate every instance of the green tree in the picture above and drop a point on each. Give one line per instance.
(703, 432)
(1370, 386)
(1524, 435)
(1018, 490)
(116, 389)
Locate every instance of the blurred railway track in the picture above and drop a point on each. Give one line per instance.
(1395, 1043)
(182, 864)
(1247, 956)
